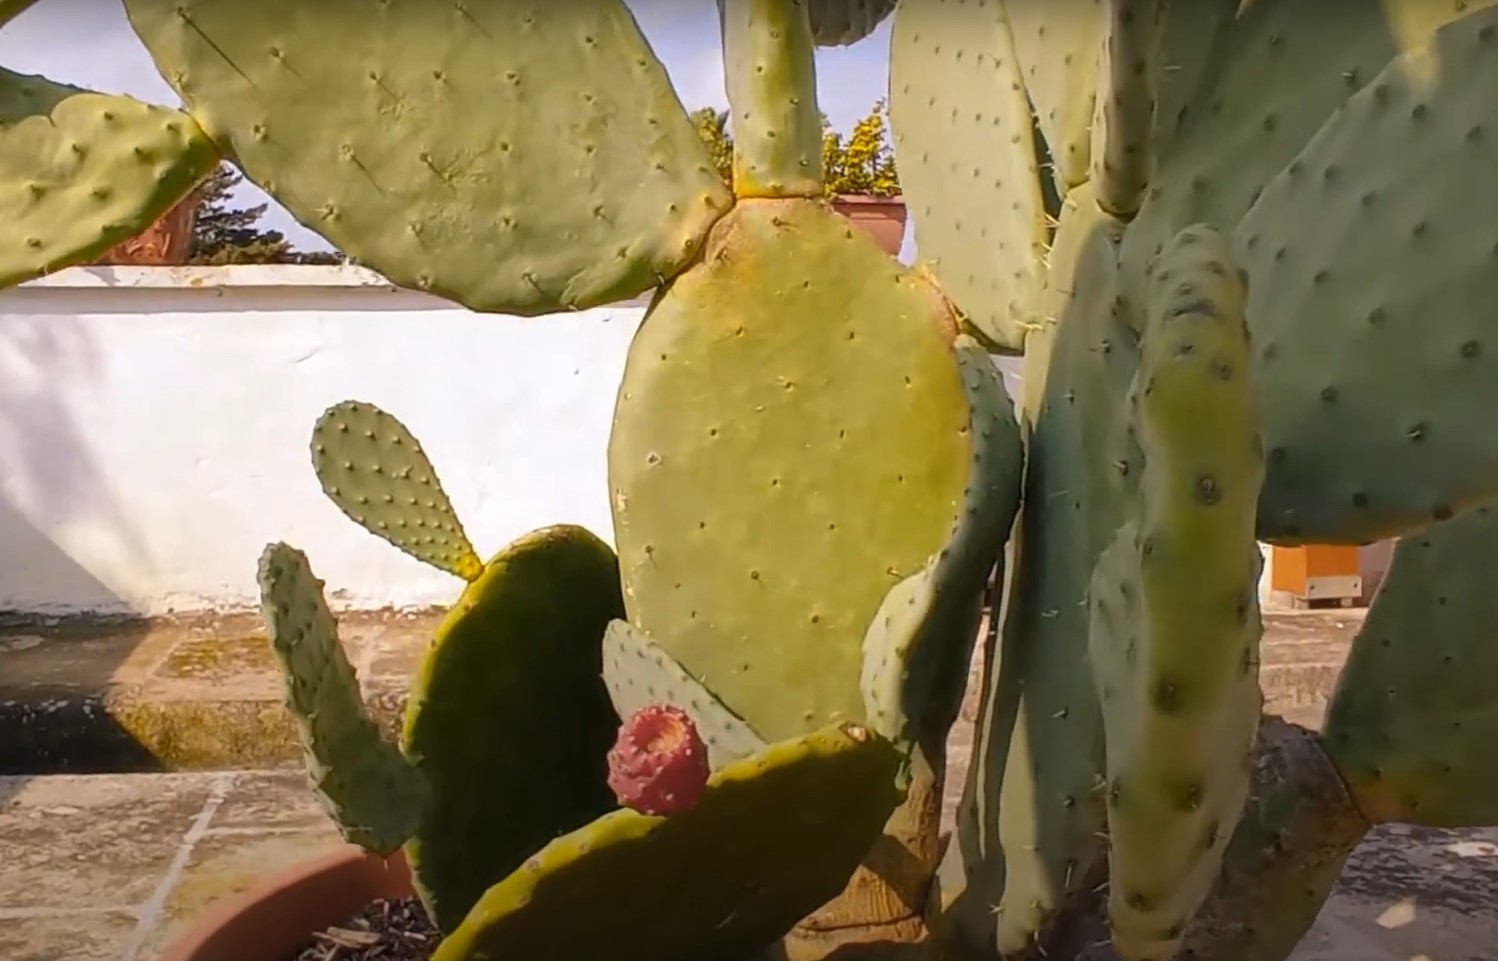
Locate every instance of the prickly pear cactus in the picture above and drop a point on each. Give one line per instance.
(1174, 620)
(1252, 120)
(468, 204)
(838, 23)
(375, 796)
(742, 849)
(82, 171)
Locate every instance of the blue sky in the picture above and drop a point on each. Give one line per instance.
(89, 43)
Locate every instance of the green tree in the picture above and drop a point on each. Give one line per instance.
(863, 163)
(225, 234)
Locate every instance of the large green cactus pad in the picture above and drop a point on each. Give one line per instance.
(919, 644)
(965, 144)
(1413, 720)
(1374, 319)
(374, 469)
(1058, 45)
(509, 719)
(516, 157)
(838, 23)
(773, 837)
(1029, 823)
(638, 672)
(1174, 635)
(777, 399)
(374, 796)
(1275, 73)
(83, 171)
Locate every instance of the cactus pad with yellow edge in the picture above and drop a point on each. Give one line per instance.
(774, 836)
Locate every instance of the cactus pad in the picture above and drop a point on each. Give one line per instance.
(773, 837)
(374, 796)
(770, 69)
(638, 672)
(521, 158)
(957, 106)
(374, 469)
(1413, 720)
(925, 629)
(838, 23)
(1032, 808)
(1058, 45)
(1388, 290)
(508, 717)
(1123, 131)
(1175, 622)
(83, 171)
(758, 566)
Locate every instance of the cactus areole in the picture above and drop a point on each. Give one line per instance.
(659, 763)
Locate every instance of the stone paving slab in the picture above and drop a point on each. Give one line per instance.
(114, 867)
(203, 693)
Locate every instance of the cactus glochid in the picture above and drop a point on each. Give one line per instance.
(1235, 244)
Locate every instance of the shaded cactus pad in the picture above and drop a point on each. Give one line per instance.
(509, 719)
(83, 171)
(778, 398)
(773, 837)
(524, 157)
(374, 796)
(374, 469)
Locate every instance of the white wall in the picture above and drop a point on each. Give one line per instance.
(154, 428)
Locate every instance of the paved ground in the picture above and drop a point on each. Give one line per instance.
(109, 867)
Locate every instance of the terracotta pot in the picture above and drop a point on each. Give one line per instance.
(882, 218)
(274, 921)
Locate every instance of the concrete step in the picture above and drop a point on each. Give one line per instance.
(202, 692)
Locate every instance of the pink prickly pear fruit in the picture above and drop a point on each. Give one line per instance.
(658, 764)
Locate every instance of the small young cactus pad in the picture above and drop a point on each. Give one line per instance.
(518, 157)
(638, 672)
(956, 103)
(795, 334)
(508, 717)
(772, 838)
(374, 469)
(83, 171)
(372, 793)
(658, 764)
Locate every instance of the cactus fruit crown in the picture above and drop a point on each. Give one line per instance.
(658, 765)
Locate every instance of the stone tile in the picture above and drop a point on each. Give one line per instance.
(218, 659)
(227, 865)
(271, 801)
(90, 842)
(75, 937)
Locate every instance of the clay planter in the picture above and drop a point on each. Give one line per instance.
(882, 218)
(274, 921)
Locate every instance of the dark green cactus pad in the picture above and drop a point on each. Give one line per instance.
(1175, 626)
(920, 642)
(755, 564)
(1029, 823)
(10, 9)
(1373, 320)
(956, 103)
(1057, 45)
(638, 672)
(1414, 718)
(374, 469)
(1277, 69)
(82, 171)
(509, 719)
(516, 157)
(838, 23)
(773, 837)
(374, 796)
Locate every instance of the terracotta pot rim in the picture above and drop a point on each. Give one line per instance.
(273, 919)
(898, 200)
